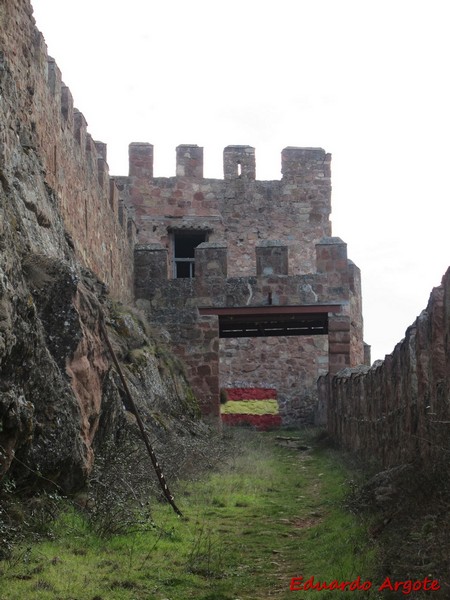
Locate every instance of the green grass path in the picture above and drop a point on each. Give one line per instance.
(268, 514)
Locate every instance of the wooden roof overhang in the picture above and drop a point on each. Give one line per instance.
(267, 321)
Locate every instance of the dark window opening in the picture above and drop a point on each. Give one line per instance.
(184, 253)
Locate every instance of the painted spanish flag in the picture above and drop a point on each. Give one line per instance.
(256, 407)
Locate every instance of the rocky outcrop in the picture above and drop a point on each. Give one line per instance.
(398, 411)
(59, 398)
(36, 267)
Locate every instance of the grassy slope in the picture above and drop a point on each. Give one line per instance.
(269, 514)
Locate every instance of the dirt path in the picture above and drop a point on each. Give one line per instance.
(266, 514)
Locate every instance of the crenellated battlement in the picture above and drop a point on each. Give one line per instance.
(238, 209)
(239, 162)
(260, 256)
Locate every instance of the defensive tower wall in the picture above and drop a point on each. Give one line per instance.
(38, 114)
(211, 247)
(238, 209)
(318, 306)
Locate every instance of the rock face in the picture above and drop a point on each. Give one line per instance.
(59, 398)
(398, 411)
(57, 387)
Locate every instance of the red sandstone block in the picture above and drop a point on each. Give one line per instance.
(331, 267)
(339, 324)
(204, 370)
(339, 251)
(214, 369)
(208, 324)
(197, 383)
(336, 338)
(335, 348)
(323, 253)
(213, 382)
(209, 335)
(341, 264)
(209, 357)
(251, 393)
(339, 360)
(339, 336)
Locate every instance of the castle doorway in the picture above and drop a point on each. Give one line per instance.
(281, 347)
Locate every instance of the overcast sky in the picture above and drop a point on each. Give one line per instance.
(367, 80)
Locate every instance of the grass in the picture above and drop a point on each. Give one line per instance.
(266, 515)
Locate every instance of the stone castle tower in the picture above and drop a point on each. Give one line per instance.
(244, 274)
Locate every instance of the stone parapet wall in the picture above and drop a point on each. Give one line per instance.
(239, 210)
(37, 115)
(359, 353)
(398, 410)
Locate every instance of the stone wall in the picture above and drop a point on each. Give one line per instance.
(291, 364)
(188, 309)
(266, 243)
(238, 210)
(398, 410)
(61, 403)
(171, 306)
(37, 115)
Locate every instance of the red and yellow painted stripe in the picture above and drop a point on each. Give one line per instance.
(257, 407)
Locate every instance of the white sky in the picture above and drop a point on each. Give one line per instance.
(366, 80)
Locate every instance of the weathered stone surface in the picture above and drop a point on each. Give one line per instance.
(59, 398)
(271, 257)
(398, 411)
(239, 209)
(211, 260)
(291, 364)
(39, 125)
(60, 211)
